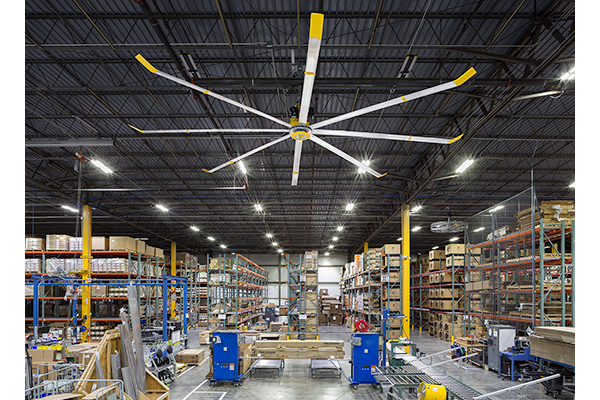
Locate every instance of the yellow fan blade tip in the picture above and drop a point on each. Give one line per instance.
(145, 63)
(465, 77)
(205, 170)
(137, 129)
(316, 26)
(456, 139)
(382, 175)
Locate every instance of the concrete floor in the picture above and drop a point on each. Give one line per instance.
(295, 381)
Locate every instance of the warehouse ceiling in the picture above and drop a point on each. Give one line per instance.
(84, 87)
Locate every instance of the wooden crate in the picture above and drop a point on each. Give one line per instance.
(156, 390)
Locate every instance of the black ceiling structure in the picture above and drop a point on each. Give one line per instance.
(84, 88)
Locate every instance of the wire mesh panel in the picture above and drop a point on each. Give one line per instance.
(518, 264)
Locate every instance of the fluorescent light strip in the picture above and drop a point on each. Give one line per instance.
(70, 209)
(162, 208)
(103, 167)
(463, 167)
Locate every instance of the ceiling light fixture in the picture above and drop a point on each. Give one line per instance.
(103, 167)
(416, 228)
(340, 228)
(222, 246)
(243, 168)
(568, 75)
(327, 254)
(572, 185)
(496, 208)
(162, 208)
(195, 228)
(258, 207)
(275, 244)
(479, 229)
(416, 209)
(280, 250)
(399, 239)
(349, 206)
(269, 235)
(463, 167)
(331, 246)
(362, 170)
(435, 247)
(212, 239)
(454, 239)
(70, 209)
(335, 238)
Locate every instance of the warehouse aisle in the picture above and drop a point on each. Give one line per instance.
(295, 381)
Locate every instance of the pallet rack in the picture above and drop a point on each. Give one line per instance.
(391, 281)
(514, 280)
(197, 290)
(419, 293)
(236, 291)
(303, 296)
(363, 286)
(104, 308)
(37, 281)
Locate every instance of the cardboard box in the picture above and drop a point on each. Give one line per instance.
(140, 246)
(323, 292)
(190, 356)
(245, 351)
(99, 291)
(122, 243)
(160, 253)
(276, 326)
(323, 319)
(455, 248)
(100, 243)
(392, 249)
(205, 337)
(335, 308)
(335, 319)
(436, 255)
(435, 265)
(41, 356)
(455, 261)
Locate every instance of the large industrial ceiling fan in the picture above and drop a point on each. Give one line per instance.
(298, 128)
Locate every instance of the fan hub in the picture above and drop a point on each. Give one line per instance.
(300, 133)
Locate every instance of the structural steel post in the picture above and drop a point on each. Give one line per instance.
(406, 270)
(173, 272)
(86, 297)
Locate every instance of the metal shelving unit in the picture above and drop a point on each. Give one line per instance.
(419, 294)
(54, 302)
(236, 291)
(391, 281)
(364, 286)
(303, 296)
(525, 266)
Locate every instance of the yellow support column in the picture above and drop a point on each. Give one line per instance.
(86, 297)
(406, 270)
(366, 246)
(173, 272)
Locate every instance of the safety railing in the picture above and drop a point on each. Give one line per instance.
(114, 387)
(520, 387)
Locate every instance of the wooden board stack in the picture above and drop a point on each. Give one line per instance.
(299, 349)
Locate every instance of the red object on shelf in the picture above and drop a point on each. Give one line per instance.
(361, 325)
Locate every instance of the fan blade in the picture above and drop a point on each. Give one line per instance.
(312, 57)
(207, 92)
(345, 156)
(297, 154)
(209, 130)
(402, 99)
(256, 150)
(388, 136)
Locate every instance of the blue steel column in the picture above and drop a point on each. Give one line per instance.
(36, 282)
(164, 312)
(185, 307)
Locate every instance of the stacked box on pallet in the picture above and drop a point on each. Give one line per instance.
(57, 242)
(35, 244)
(551, 212)
(75, 244)
(33, 265)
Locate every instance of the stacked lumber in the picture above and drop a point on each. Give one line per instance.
(190, 356)
(551, 213)
(299, 349)
(554, 343)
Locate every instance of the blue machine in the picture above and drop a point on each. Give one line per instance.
(225, 357)
(364, 358)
